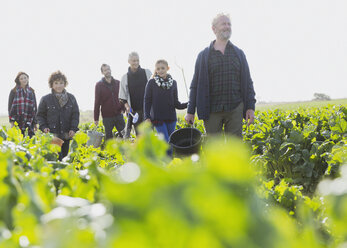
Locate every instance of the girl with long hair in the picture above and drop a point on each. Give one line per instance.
(22, 105)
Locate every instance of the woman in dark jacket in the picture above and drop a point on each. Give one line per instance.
(58, 112)
(22, 105)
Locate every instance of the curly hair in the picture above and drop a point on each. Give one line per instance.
(16, 80)
(55, 76)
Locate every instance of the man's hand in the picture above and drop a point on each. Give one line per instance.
(46, 130)
(71, 133)
(189, 118)
(250, 116)
(127, 107)
(35, 127)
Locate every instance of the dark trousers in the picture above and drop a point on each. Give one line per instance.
(231, 121)
(24, 127)
(31, 133)
(111, 122)
(64, 149)
(130, 123)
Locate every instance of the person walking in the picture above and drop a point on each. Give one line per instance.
(107, 98)
(22, 105)
(132, 90)
(161, 101)
(222, 90)
(58, 112)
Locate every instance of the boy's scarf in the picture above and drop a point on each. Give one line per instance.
(164, 83)
(23, 109)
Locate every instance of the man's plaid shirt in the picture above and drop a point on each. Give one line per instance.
(225, 79)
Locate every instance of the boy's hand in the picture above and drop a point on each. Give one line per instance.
(189, 118)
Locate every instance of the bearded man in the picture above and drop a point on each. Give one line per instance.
(222, 90)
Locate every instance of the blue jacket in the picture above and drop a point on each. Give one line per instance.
(199, 97)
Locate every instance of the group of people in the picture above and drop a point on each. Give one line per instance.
(57, 113)
(221, 92)
(154, 98)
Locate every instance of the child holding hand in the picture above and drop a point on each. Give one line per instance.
(161, 100)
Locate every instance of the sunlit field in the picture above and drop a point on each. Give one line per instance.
(283, 186)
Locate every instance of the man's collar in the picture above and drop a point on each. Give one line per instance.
(104, 80)
(133, 72)
(212, 43)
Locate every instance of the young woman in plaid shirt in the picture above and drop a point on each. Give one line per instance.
(22, 105)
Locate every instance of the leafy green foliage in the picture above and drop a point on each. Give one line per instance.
(299, 145)
(130, 194)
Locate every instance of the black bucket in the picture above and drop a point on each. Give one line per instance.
(186, 141)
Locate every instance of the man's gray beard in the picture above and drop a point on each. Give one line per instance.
(225, 35)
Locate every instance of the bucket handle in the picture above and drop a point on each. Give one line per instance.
(195, 126)
(191, 125)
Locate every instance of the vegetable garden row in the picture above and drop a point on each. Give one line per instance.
(284, 186)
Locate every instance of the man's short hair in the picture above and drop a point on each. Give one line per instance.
(215, 20)
(103, 65)
(133, 54)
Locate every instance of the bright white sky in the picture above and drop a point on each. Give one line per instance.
(294, 48)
